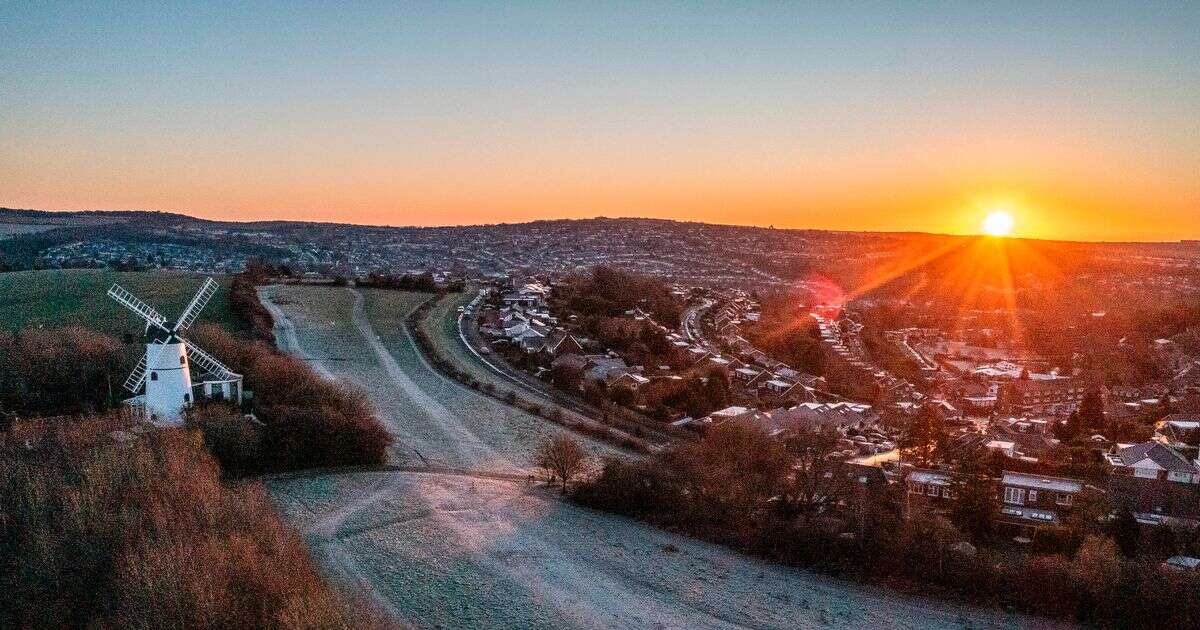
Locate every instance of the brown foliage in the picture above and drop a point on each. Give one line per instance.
(720, 490)
(246, 307)
(60, 370)
(144, 534)
(306, 420)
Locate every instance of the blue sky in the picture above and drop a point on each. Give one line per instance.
(465, 112)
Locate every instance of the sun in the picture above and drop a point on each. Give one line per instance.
(998, 223)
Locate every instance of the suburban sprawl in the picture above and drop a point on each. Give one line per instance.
(552, 424)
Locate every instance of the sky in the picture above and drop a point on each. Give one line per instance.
(1081, 119)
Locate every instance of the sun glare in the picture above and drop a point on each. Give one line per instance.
(998, 223)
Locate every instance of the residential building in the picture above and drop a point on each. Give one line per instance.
(1036, 500)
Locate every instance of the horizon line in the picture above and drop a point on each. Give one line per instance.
(1179, 241)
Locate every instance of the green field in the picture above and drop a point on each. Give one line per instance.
(77, 297)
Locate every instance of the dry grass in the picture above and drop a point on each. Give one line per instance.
(143, 533)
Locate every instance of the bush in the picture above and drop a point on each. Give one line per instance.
(307, 421)
(234, 439)
(143, 534)
(61, 371)
(722, 489)
(248, 309)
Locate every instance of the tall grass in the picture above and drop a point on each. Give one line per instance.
(141, 532)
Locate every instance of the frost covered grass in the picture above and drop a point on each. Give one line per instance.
(455, 551)
(435, 420)
(463, 551)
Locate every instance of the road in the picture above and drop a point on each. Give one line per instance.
(689, 321)
(471, 544)
(543, 393)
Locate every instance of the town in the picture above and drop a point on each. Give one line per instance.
(1061, 434)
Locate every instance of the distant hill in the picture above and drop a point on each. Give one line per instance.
(963, 270)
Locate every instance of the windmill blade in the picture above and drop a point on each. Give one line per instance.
(207, 290)
(131, 302)
(138, 375)
(203, 359)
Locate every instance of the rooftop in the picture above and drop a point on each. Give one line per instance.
(1041, 482)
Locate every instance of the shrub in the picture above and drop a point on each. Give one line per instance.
(248, 309)
(234, 439)
(144, 534)
(61, 371)
(307, 421)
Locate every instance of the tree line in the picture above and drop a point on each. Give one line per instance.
(769, 497)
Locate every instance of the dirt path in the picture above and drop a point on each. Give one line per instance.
(456, 547)
(285, 332)
(323, 535)
(463, 441)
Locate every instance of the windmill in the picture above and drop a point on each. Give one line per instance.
(166, 368)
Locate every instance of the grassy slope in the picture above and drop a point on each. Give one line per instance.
(77, 297)
(442, 327)
(509, 431)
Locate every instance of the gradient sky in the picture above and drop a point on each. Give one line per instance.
(1084, 118)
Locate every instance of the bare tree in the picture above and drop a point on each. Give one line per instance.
(813, 479)
(564, 457)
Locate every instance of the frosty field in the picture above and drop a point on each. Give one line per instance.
(463, 551)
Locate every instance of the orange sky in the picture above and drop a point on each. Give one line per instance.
(1085, 126)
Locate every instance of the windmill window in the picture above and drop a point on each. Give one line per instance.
(182, 360)
(187, 398)
(154, 376)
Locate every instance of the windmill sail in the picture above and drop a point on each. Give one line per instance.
(207, 362)
(165, 370)
(138, 375)
(134, 382)
(198, 303)
(147, 312)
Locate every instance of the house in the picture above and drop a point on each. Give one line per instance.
(722, 416)
(560, 343)
(1152, 460)
(1182, 563)
(532, 336)
(1008, 449)
(1154, 481)
(776, 386)
(745, 374)
(838, 415)
(1181, 432)
(929, 488)
(796, 394)
(1155, 501)
(861, 474)
(1036, 500)
(601, 368)
(519, 298)
(1059, 396)
(632, 380)
(513, 323)
(1030, 437)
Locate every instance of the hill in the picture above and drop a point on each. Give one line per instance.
(77, 297)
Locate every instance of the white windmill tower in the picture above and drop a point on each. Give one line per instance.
(166, 368)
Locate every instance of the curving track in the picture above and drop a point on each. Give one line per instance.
(441, 548)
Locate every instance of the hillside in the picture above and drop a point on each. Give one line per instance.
(950, 270)
(77, 297)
